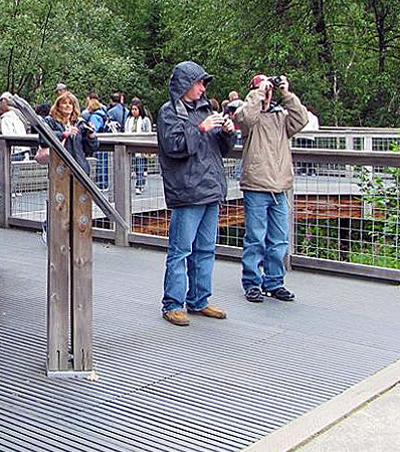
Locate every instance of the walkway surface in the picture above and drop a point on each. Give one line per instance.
(373, 428)
(215, 386)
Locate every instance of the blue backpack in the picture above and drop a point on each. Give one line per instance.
(103, 123)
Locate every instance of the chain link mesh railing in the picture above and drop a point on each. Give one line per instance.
(345, 197)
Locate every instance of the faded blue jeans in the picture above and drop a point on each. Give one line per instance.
(265, 241)
(139, 164)
(190, 257)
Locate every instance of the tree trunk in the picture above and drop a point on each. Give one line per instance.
(325, 52)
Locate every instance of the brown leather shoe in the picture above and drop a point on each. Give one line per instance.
(179, 318)
(211, 311)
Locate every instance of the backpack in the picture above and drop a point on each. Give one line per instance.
(109, 125)
(112, 125)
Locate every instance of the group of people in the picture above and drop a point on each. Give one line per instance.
(193, 138)
(115, 117)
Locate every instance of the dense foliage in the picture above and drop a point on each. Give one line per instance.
(342, 56)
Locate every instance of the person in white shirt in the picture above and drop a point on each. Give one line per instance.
(138, 122)
(11, 125)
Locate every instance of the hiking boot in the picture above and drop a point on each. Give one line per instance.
(280, 294)
(254, 295)
(179, 318)
(211, 311)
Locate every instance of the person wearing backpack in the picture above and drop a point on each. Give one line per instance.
(97, 117)
(117, 111)
(138, 122)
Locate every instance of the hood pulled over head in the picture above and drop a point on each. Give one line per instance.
(183, 76)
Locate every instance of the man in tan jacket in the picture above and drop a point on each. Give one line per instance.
(267, 174)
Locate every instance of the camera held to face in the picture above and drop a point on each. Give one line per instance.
(276, 81)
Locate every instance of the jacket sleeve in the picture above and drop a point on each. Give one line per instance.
(146, 124)
(53, 126)
(128, 125)
(249, 113)
(7, 127)
(90, 145)
(178, 137)
(297, 116)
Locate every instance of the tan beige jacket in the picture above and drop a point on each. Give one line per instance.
(267, 160)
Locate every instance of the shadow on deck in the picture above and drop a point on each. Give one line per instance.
(215, 386)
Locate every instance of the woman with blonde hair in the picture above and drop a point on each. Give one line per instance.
(76, 134)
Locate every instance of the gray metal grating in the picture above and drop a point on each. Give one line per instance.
(213, 387)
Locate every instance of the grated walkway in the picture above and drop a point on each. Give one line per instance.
(214, 386)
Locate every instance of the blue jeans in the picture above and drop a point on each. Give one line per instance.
(139, 164)
(265, 241)
(102, 169)
(190, 257)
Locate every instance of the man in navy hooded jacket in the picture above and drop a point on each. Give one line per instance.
(191, 143)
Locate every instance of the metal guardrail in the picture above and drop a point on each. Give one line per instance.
(339, 222)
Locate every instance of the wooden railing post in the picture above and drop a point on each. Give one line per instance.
(70, 262)
(81, 278)
(58, 265)
(122, 191)
(292, 230)
(5, 185)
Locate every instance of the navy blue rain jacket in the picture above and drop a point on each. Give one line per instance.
(191, 161)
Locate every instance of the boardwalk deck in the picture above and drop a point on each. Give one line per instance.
(213, 387)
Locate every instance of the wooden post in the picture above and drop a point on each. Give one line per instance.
(58, 265)
(70, 262)
(122, 190)
(81, 278)
(292, 230)
(5, 193)
(69, 287)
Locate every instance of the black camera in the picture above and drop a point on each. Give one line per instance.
(84, 126)
(276, 81)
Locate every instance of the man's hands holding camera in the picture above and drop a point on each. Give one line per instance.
(269, 83)
(217, 120)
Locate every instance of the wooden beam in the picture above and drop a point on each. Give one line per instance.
(81, 278)
(58, 265)
(5, 193)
